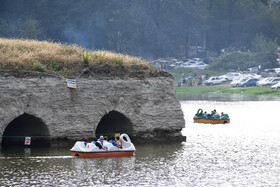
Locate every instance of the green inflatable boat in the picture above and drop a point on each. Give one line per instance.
(201, 117)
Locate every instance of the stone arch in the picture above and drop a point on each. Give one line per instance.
(113, 122)
(23, 126)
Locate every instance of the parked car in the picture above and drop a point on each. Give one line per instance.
(230, 76)
(253, 75)
(276, 86)
(201, 65)
(269, 73)
(268, 81)
(213, 80)
(274, 81)
(237, 82)
(264, 82)
(277, 71)
(253, 70)
(249, 82)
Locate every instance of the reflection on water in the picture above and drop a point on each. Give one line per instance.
(242, 153)
(22, 169)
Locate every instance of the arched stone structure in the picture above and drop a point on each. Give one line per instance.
(113, 122)
(144, 101)
(23, 126)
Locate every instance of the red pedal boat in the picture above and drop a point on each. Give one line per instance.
(90, 150)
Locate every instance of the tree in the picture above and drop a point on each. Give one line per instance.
(30, 30)
(146, 28)
(265, 50)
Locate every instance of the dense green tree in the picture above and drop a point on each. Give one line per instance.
(263, 52)
(147, 28)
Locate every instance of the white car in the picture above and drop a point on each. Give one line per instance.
(277, 71)
(253, 75)
(237, 82)
(194, 64)
(264, 82)
(276, 86)
(274, 81)
(268, 81)
(214, 80)
(201, 65)
(230, 76)
(269, 73)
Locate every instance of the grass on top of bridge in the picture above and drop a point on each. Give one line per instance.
(48, 56)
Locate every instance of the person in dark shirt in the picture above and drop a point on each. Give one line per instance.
(99, 142)
(85, 141)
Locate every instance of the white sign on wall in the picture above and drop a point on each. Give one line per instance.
(71, 83)
(27, 141)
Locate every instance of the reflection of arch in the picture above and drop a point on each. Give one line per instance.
(113, 122)
(23, 126)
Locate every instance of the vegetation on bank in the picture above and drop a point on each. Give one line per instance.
(226, 89)
(47, 56)
(177, 73)
(262, 52)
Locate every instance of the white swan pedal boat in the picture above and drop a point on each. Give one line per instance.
(90, 150)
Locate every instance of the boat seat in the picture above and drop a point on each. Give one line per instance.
(90, 146)
(113, 148)
(79, 146)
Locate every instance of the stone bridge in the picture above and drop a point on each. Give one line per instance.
(41, 106)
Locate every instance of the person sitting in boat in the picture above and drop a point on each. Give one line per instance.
(94, 140)
(112, 141)
(205, 114)
(85, 141)
(97, 143)
(105, 139)
(213, 112)
(105, 142)
(100, 140)
(118, 141)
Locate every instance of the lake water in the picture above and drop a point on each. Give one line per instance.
(245, 152)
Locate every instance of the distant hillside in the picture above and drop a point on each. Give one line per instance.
(47, 56)
(151, 29)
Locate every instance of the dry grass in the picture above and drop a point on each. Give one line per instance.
(20, 54)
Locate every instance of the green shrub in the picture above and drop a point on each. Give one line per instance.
(117, 61)
(37, 66)
(16, 66)
(87, 58)
(101, 59)
(54, 66)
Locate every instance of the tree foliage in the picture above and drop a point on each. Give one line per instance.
(146, 28)
(263, 52)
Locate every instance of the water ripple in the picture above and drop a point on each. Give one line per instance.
(242, 153)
